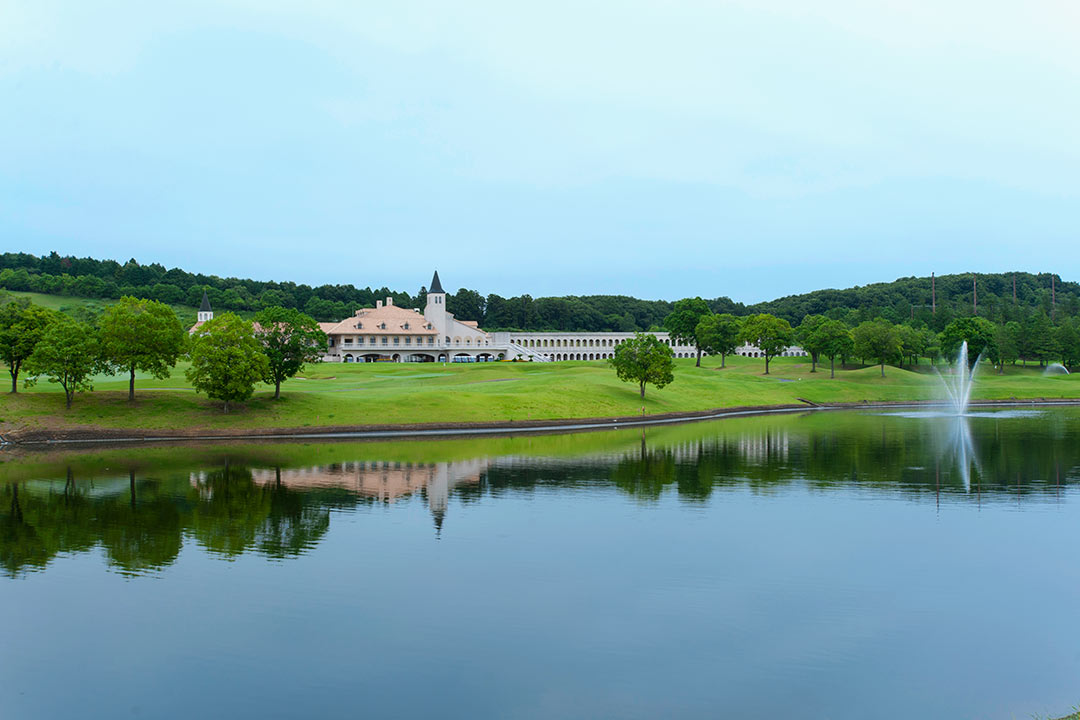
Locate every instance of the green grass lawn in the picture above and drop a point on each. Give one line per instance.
(382, 393)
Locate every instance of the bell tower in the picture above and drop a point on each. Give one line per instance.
(205, 312)
(435, 310)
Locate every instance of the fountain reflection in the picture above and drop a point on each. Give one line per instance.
(139, 509)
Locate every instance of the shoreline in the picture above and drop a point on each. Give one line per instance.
(96, 436)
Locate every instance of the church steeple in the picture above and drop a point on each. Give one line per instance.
(436, 286)
(205, 311)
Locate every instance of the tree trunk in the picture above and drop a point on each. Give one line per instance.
(813, 362)
(226, 407)
(698, 357)
(14, 378)
(832, 367)
(882, 369)
(766, 364)
(131, 385)
(277, 389)
(723, 359)
(643, 390)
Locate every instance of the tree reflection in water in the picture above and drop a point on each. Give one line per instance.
(258, 500)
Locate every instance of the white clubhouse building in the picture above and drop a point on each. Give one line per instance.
(388, 333)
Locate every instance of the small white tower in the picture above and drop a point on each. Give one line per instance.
(205, 313)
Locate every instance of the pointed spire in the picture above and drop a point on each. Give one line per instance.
(436, 286)
(205, 307)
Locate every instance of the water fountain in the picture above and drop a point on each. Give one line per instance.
(1056, 369)
(958, 385)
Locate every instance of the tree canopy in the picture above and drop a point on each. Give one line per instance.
(771, 335)
(226, 359)
(682, 323)
(141, 335)
(644, 359)
(67, 354)
(877, 340)
(718, 334)
(832, 338)
(22, 326)
(290, 339)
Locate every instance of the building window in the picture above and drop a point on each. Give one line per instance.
(408, 341)
(397, 341)
(384, 341)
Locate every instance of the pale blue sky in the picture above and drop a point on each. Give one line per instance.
(658, 149)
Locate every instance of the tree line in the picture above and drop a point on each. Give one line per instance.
(228, 355)
(998, 297)
(879, 341)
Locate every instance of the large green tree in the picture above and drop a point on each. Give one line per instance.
(644, 359)
(806, 337)
(290, 339)
(719, 335)
(141, 335)
(770, 334)
(69, 353)
(1038, 339)
(1068, 343)
(877, 339)
(226, 359)
(980, 335)
(1007, 337)
(683, 321)
(832, 338)
(22, 325)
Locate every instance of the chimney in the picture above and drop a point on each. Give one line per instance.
(389, 301)
(378, 304)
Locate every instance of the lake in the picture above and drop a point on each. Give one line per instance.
(819, 565)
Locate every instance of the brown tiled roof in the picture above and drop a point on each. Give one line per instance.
(395, 318)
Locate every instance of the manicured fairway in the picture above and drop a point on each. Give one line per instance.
(366, 394)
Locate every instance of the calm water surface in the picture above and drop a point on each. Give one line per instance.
(819, 566)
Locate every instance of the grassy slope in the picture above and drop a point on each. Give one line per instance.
(63, 303)
(338, 394)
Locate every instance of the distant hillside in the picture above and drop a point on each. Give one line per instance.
(97, 282)
(913, 297)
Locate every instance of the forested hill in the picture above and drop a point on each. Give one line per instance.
(914, 298)
(897, 301)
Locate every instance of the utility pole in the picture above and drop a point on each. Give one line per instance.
(975, 293)
(1053, 295)
(933, 295)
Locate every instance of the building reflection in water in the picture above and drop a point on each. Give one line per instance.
(382, 481)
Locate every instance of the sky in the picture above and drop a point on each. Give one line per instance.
(655, 149)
